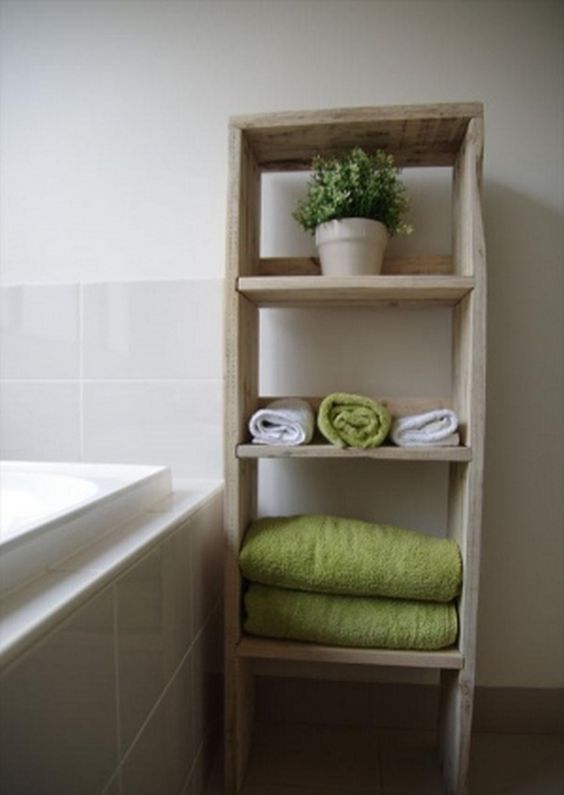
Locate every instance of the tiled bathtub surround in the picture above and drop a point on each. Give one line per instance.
(127, 372)
(124, 696)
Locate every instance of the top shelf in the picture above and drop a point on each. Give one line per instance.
(417, 135)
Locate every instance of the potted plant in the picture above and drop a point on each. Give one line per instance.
(353, 205)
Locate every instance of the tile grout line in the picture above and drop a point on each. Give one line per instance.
(167, 687)
(81, 369)
(192, 770)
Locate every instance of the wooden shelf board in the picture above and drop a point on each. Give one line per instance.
(417, 135)
(421, 264)
(383, 453)
(261, 648)
(326, 291)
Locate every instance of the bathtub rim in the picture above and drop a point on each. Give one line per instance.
(88, 471)
(81, 577)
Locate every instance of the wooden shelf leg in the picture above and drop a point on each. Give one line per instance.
(455, 727)
(239, 728)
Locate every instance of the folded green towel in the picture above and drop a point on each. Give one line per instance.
(353, 420)
(346, 556)
(349, 620)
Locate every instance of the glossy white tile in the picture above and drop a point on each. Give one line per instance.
(207, 681)
(153, 329)
(207, 562)
(113, 787)
(144, 641)
(58, 703)
(176, 423)
(39, 331)
(178, 551)
(40, 421)
(206, 776)
(28, 613)
(163, 753)
(155, 626)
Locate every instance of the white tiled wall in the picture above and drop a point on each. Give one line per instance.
(125, 372)
(40, 332)
(124, 698)
(131, 372)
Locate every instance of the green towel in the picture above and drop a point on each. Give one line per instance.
(347, 556)
(353, 421)
(349, 620)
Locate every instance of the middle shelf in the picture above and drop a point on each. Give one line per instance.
(384, 452)
(320, 448)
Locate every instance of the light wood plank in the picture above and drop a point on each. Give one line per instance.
(416, 135)
(466, 483)
(422, 265)
(382, 453)
(260, 648)
(241, 390)
(329, 291)
(344, 117)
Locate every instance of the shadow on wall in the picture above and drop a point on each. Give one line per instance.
(521, 592)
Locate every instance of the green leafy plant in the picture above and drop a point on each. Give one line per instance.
(355, 186)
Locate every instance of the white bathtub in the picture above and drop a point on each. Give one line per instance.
(49, 511)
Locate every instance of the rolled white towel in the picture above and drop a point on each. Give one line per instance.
(288, 421)
(434, 429)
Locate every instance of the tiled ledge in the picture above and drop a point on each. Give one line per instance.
(29, 613)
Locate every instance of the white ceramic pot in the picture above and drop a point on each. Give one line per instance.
(351, 246)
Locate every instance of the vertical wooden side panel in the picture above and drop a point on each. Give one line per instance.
(241, 392)
(467, 242)
(466, 480)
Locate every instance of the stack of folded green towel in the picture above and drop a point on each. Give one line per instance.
(346, 582)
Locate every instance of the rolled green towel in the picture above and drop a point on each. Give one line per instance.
(353, 421)
(346, 556)
(349, 620)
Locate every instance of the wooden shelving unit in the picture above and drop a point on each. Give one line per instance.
(428, 135)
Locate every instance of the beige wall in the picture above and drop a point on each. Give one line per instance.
(114, 167)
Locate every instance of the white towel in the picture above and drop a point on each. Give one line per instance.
(433, 429)
(289, 421)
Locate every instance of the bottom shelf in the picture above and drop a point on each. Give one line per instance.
(262, 648)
